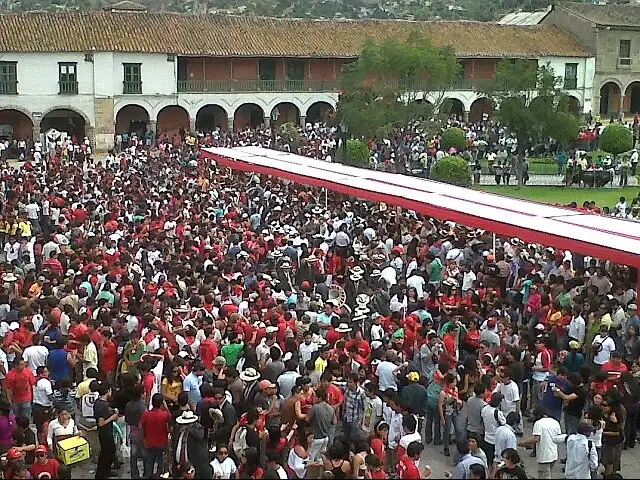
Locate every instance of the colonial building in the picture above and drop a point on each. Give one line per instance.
(98, 73)
(612, 34)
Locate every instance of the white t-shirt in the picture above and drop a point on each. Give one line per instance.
(386, 378)
(511, 395)
(608, 346)
(377, 332)
(306, 351)
(4, 362)
(549, 431)
(490, 423)
(417, 282)
(226, 469)
(41, 392)
(35, 356)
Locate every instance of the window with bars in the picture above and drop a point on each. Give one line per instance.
(8, 78)
(570, 76)
(132, 78)
(68, 78)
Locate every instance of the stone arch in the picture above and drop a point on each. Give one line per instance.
(66, 119)
(172, 119)
(453, 106)
(132, 118)
(632, 98)
(285, 112)
(573, 105)
(610, 96)
(479, 107)
(248, 115)
(210, 117)
(319, 112)
(15, 124)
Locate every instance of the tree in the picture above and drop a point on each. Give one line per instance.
(531, 103)
(383, 88)
(290, 134)
(453, 170)
(616, 139)
(453, 137)
(357, 153)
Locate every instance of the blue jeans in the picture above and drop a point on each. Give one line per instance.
(432, 424)
(22, 409)
(454, 419)
(137, 451)
(152, 456)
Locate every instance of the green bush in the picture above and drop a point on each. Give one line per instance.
(357, 153)
(616, 139)
(453, 170)
(453, 137)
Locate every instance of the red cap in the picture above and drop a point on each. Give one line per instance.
(14, 454)
(42, 449)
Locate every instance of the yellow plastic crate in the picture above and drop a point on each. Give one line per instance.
(73, 450)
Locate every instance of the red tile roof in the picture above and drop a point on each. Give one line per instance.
(231, 36)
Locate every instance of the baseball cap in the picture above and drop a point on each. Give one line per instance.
(264, 384)
(14, 454)
(413, 376)
(41, 449)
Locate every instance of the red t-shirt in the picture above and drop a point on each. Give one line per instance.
(377, 445)
(208, 353)
(51, 467)
(407, 468)
(20, 384)
(147, 383)
(334, 395)
(155, 427)
(109, 360)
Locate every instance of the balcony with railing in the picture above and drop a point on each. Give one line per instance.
(132, 88)
(221, 86)
(68, 87)
(256, 85)
(8, 88)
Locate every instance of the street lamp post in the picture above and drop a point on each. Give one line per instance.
(344, 129)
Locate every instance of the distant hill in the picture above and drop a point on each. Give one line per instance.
(484, 10)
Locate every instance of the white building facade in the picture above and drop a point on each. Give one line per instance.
(89, 86)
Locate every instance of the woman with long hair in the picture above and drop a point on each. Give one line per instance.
(613, 433)
(631, 345)
(630, 397)
(250, 464)
(172, 385)
(471, 376)
(63, 426)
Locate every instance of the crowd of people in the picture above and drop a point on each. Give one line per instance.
(208, 324)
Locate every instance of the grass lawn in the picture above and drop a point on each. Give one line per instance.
(604, 197)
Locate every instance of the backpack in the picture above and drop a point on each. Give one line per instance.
(433, 393)
(240, 441)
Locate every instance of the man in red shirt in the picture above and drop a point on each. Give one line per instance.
(109, 360)
(208, 349)
(148, 380)
(154, 427)
(44, 464)
(19, 385)
(408, 463)
(615, 368)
